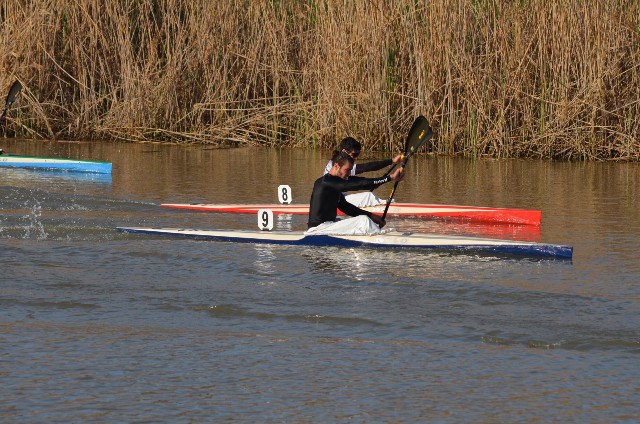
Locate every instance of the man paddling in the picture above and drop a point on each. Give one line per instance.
(352, 147)
(327, 197)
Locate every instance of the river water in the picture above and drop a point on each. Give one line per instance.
(101, 326)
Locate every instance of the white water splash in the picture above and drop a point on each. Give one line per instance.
(35, 228)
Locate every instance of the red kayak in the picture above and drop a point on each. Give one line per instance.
(445, 212)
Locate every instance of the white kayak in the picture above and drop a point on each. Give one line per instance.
(390, 239)
(63, 164)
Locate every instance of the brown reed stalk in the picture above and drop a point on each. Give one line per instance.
(527, 78)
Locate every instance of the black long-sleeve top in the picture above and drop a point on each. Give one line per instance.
(372, 166)
(327, 197)
(359, 168)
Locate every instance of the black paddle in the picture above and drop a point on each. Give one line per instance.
(11, 97)
(419, 134)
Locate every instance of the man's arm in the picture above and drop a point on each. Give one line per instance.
(350, 209)
(372, 166)
(354, 183)
(377, 165)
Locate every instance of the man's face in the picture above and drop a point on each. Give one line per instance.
(343, 171)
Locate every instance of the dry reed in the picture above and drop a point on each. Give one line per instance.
(529, 78)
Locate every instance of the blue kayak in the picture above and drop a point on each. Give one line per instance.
(62, 164)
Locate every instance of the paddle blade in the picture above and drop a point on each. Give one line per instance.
(13, 92)
(419, 134)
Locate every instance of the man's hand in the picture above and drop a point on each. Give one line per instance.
(378, 220)
(398, 159)
(397, 175)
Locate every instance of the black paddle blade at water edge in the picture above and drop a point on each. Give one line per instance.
(13, 93)
(11, 97)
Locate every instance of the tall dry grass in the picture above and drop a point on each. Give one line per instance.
(528, 78)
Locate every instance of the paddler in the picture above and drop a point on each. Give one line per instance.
(328, 196)
(352, 147)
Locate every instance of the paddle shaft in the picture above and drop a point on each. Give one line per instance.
(386, 208)
(395, 186)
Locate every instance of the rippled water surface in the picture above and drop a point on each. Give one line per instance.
(101, 326)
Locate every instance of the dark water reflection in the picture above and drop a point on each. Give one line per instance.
(109, 327)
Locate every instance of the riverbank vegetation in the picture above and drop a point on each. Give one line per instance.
(528, 78)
